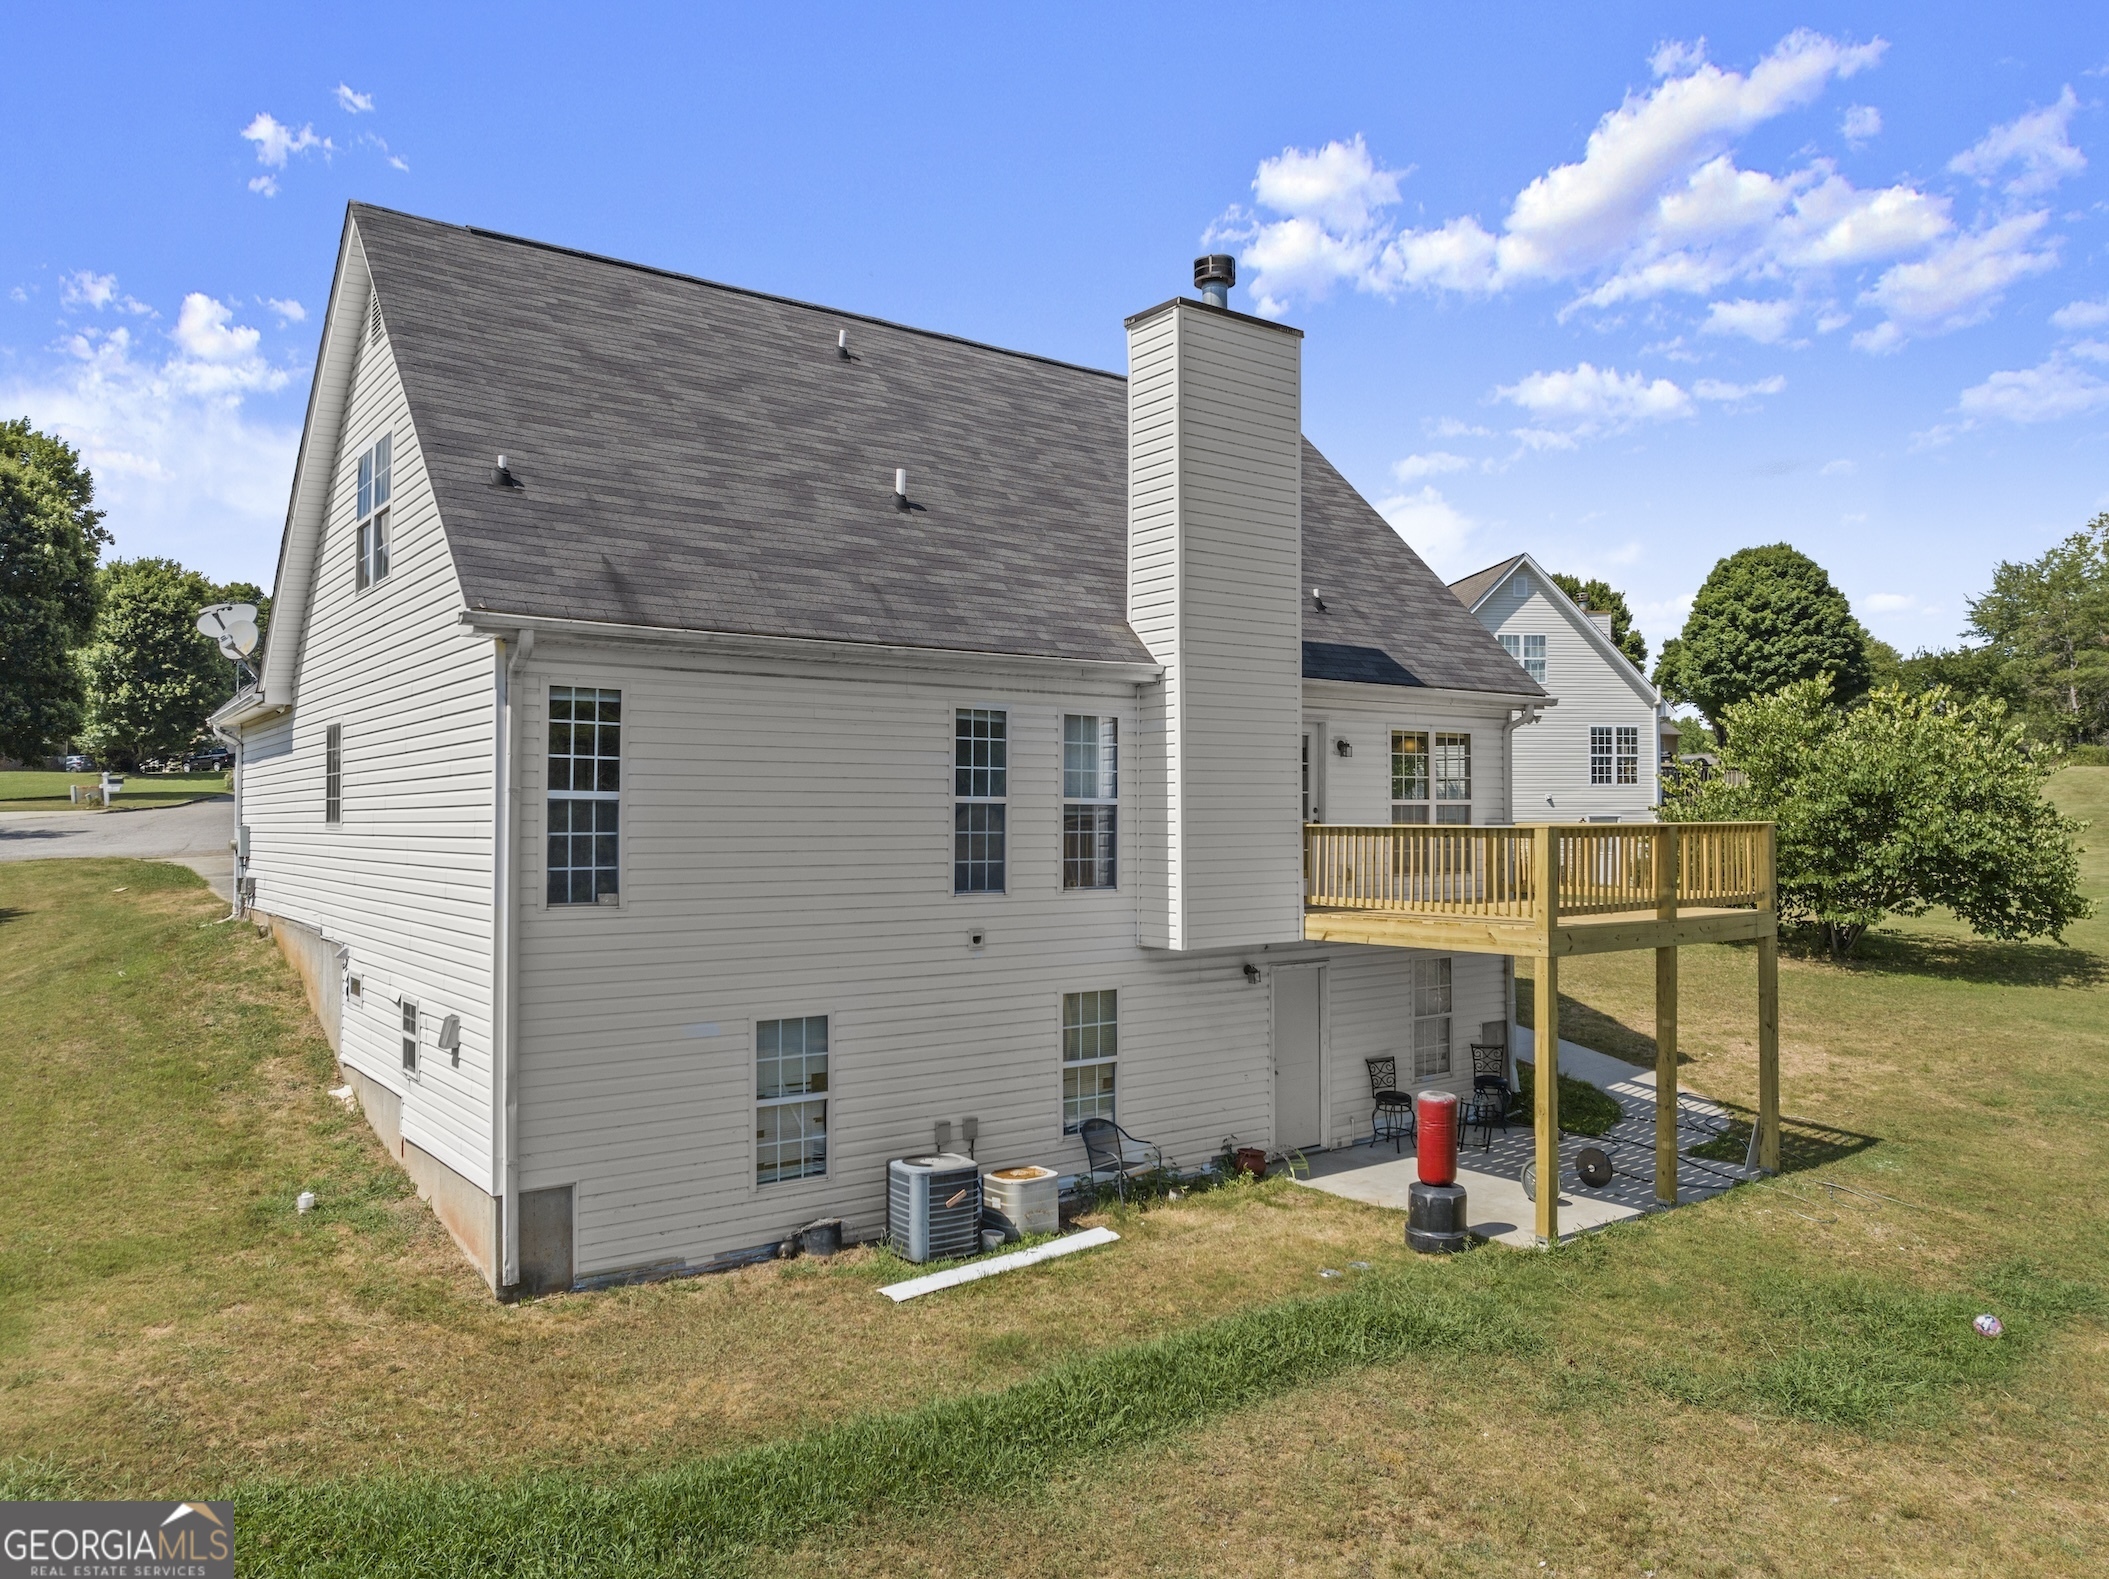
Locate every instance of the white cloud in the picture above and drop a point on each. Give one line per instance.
(1451, 428)
(87, 289)
(352, 101)
(220, 356)
(1959, 282)
(288, 311)
(16, 293)
(1862, 122)
(1837, 468)
(266, 184)
(1765, 322)
(2036, 146)
(1888, 602)
(1433, 464)
(1715, 389)
(2052, 389)
(277, 142)
(1593, 400)
(1438, 531)
(2082, 315)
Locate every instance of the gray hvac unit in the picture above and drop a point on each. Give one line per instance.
(933, 1206)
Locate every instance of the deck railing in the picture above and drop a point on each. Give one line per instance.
(1603, 868)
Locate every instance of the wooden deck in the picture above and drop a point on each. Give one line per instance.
(1549, 891)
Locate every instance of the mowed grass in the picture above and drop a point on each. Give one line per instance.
(1780, 1381)
(38, 791)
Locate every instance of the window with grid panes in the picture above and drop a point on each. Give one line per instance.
(1090, 801)
(585, 795)
(1431, 1018)
(1090, 1049)
(1409, 775)
(980, 789)
(1528, 651)
(409, 1036)
(376, 477)
(1629, 753)
(790, 1104)
(333, 773)
(1453, 778)
(1600, 753)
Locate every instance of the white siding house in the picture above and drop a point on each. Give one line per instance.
(1595, 756)
(737, 823)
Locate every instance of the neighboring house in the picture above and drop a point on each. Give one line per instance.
(675, 822)
(1595, 757)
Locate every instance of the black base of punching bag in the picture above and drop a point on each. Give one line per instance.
(1435, 1218)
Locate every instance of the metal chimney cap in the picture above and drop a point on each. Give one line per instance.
(1214, 269)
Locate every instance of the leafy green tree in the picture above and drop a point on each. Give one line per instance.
(1602, 598)
(2046, 621)
(1765, 618)
(152, 677)
(50, 540)
(1893, 807)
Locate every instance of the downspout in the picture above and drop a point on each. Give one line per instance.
(233, 742)
(505, 937)
(1528, 713)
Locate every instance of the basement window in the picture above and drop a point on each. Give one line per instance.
(409, 1037)
(376, 477)
(1090, 801)
(790, 1114)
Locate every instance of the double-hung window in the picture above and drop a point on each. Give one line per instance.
(1090, 1048)
(1431, 1017)
(409, 1036)
(1409, 775)
(1528, 651)
(1453, 778)
(790, 1111)
(980, 787)
(585, 795)
(1614, 754)
(333, 773)
(375, 490)
(1090, 801)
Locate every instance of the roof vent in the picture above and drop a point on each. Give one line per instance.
(502, 475)
(1213, 277)
(900, 487)
(842, 344)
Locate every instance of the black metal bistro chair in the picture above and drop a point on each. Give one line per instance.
(1110, 1151)
(1492, 1096)
(1392, 1118)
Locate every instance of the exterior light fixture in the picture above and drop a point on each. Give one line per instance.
(1252, 974)
(1341, 747)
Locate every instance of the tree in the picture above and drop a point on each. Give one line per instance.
(1602, 598)
(2046, 621)
(1765, 618)
(1893, 807)
(152, 677)
(50, 540)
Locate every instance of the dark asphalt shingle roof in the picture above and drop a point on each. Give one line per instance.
(695, 456)
(1480, 582)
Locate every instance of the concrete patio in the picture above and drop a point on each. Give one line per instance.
(1498, 1208)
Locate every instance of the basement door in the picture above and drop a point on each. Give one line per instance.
(1298, 992)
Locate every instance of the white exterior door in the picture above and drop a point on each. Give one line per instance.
(1298, 993)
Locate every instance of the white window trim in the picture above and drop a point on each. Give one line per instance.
(780, 1189)
(1436, 798)
(1065, 801)
(410, 1038)
(1066, 1063)
(1517, 645)
(954, 800)
(384, 509)
(538, 877)
(1448, 1015)
(1426, 802)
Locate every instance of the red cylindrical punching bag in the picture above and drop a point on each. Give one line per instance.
(1435, 1120)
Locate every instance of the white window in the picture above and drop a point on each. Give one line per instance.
(375, 490)
(980, 787)
(1431, 1018)
(1090, 1047)
(1409, 775)
(1090, 801)
(585, 795)
(333, 773)
(1453, 778)
(1614, 754)
(409, 1036)
(1528, 651)
(790, 1112)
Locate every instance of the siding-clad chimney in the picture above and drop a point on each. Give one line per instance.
(1215, 566)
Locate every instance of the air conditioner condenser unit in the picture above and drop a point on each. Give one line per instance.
(933, 1206)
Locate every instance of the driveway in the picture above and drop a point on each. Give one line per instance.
(195, 836)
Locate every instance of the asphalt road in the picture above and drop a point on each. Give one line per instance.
(195, 836)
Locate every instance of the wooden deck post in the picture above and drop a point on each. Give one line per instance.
(1666, 868)
(1768, 1007)
(1545, 868)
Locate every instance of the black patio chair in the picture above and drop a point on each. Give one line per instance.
(1392, 1117)
(1109, 1149)
(1492, 1095)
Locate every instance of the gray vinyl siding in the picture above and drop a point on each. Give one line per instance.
(404, 882)
(1552, 755)
(787, 852)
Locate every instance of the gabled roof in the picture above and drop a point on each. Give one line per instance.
(698, 457)
(1475, 589)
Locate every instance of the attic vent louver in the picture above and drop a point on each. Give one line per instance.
(373, 317)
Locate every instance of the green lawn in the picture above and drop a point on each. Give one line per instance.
(34, 791)
(1780, 1381)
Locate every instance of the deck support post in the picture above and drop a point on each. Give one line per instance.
(1545, 866)
(1666, 871)
(1768, 1001)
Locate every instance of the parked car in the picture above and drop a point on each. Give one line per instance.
(213, 759)
(80, 764)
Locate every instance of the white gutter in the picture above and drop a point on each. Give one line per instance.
(505, 995)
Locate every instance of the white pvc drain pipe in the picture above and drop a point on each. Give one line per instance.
(952, 1277)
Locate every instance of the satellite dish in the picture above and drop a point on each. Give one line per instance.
(232, 626)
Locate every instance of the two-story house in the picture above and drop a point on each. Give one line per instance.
(706, 741)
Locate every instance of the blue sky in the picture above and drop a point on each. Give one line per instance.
(1629, 287)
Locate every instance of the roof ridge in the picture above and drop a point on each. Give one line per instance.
(741, 290)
